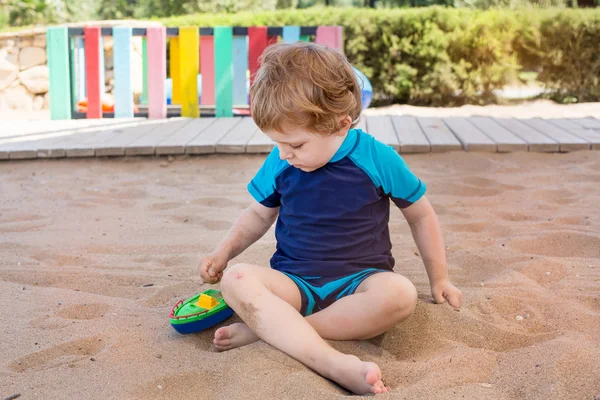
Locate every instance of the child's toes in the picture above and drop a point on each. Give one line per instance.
(221, 333)
(222, 342)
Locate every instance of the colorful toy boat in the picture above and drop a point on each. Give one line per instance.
(199, 312)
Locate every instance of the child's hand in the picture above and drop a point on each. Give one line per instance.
(211, 268)
(445, 291)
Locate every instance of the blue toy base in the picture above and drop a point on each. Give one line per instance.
(203, 324)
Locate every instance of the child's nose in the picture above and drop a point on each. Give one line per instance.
(284, 155)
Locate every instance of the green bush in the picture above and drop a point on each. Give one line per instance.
(444, 56)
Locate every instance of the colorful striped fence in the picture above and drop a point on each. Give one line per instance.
(224, 56)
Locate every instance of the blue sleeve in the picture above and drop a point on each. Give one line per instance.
(388, 171)
(262, 187)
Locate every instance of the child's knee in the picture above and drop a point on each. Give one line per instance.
(233, 278)
(400, 298)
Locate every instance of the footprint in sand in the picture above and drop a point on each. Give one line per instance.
(164, 206)
(561, 197)
(516, 217)
(475, 227)
(48, 323)
(457, 189)
(485, 182)
(543, 271)
(121, 193)
(211, 225)
(83, 311)
(560, 244)
(61, 354)
(203, 384)
(592, 302)
(220, 202)
(21, 222)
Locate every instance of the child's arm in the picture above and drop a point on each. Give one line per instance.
(428, 237)
(250, 226)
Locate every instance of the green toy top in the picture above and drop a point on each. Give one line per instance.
(198, 307)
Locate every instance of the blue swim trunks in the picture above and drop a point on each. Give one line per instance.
(318, 293)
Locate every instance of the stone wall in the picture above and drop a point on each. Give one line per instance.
(24, 70)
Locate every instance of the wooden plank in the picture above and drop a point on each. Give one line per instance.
(174, 69)
(47, 144)
(257, 43)
(206, 141)
(123, 91)
(410, 135)
(537, 141)
(58, 68)
(592, 136)
(576, 129)
(382, 129)
(235, 141)
(115, 145)
(80, 69)
(84, 145)
(291, 34)
(240, 70)
(589, 122)
(566, 140)
(102, 70)
(565, 124)
(57, 147)
(92, 72)
(259, 143)
(505, 140)
(72, 74)
(330, 36)
(439, 136)
(472, 139)
(189, 67)
(144, 96)
(157, 72)
(176, 143)
(223, 71)
(207, 68)
(146, 144)
(19, 150)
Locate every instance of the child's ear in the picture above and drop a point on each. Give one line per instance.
(346, 123)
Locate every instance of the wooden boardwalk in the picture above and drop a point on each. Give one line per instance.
(176, 136)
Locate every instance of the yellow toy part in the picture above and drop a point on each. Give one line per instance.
(207, 302)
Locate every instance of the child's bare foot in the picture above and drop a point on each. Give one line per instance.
(358, 376)
(234, 335)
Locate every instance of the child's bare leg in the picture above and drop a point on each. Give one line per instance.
(279, 324)
(239, 334)
(380, 301)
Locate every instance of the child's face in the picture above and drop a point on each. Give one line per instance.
(305, 150)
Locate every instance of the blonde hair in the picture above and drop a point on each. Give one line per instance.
(304, 84)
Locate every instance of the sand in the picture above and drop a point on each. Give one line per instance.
(94, 253)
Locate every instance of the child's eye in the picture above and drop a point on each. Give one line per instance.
(297, 147)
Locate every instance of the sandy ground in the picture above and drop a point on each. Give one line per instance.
(94, 252)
